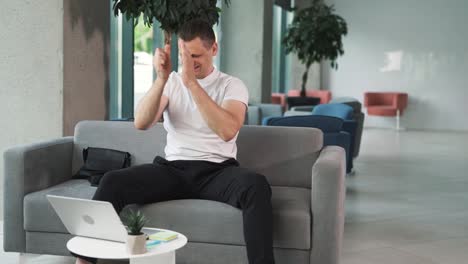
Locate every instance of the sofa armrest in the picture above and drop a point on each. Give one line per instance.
(27, 169)
(267, 110)
(400, 101)
(252, 116)
(328, 195)
(370, 99)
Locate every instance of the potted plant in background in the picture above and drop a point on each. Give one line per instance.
(170, 13)
(136, 240)
(315, 34)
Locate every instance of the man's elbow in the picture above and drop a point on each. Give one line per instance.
(140, 125)
(226, 138)
(228, 135)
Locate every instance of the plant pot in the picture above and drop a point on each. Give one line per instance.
(136, 244)
(301, 101)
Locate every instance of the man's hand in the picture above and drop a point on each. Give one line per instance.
(162, 62)
(152, 105)
(188, 73)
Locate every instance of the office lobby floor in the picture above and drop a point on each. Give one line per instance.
(406, 204)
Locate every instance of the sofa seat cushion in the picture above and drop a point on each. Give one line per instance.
(215, 222)
(200, 220)
(39, 216)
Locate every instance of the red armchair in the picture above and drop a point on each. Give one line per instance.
(279, 98)
(386, 104)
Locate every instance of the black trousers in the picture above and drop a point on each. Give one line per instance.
(223, 182)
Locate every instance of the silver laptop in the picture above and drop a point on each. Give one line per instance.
(89, 218)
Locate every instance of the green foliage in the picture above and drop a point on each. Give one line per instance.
(315, 34)
(134, 221)
(143, 38)
(170, 13)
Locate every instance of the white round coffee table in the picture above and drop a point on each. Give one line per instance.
(163, 253)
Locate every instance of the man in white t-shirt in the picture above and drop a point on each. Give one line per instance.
(203, 110)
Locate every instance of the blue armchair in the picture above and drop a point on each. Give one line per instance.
(332, 128)
(344, 112)
(358, 116)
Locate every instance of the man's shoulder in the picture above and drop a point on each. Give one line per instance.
(229, 78)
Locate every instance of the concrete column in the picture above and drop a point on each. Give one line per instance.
(86, 41)
(246, 45)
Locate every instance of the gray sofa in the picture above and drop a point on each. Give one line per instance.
(307, 183)
(256, 113)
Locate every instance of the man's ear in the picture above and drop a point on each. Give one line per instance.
(215, 48)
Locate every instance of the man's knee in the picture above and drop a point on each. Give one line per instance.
(111, 184)
(262, 183)
(257, 183)
(111, 180)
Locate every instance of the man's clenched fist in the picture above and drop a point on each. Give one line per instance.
(162, 62)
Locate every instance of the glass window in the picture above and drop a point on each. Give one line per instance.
(280, 61)
(143, 72)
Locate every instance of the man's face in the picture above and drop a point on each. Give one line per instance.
(202, 56)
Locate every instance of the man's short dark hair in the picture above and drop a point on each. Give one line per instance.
(197, 28)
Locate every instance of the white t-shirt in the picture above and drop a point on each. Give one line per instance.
(188, 135)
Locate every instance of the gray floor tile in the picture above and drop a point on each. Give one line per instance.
(409, 189)
(384, 256)
(451, 251)
(405, 231)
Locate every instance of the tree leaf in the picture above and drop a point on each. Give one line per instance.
(171, 14)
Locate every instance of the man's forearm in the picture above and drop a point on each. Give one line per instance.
(218, 119)
(149, 105)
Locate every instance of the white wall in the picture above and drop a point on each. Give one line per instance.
(30, 73)
(86, 44)
(418, 47)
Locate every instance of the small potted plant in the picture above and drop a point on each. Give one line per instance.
(136, 240)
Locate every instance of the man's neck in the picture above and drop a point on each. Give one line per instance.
(211, 71)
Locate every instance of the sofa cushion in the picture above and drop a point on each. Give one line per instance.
(215, 222)
(342, 111)
(276, 152)
(39, 214)
(353, 102)
(199, 220)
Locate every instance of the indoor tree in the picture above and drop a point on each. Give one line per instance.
(171, 14)
(315, 34)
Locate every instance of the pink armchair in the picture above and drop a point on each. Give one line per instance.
(279, 98)
(386, 104)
